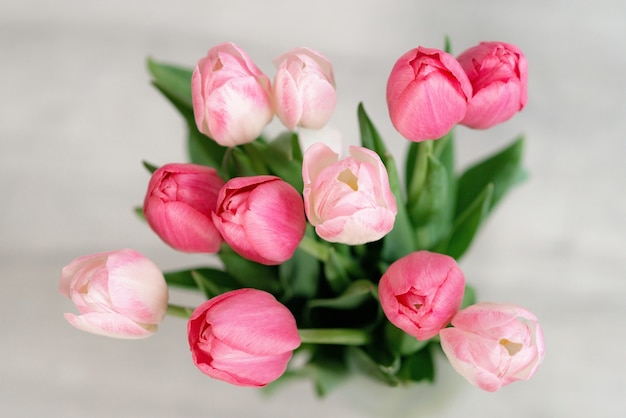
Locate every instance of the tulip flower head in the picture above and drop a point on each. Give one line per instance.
(244, 337)
(261, 218)
(304, 89)
(499, 76)
(427, 93)
(231, 96)
(493, 345)
(119, 294)
(350, 200)
(179, 205)
(421, 292)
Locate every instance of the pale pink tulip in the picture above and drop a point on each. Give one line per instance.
(119, 294)
(231, 96)
(492, 344)
(261, 218)
(421, 292)
(499, 76)
(427, 94)
(244, 337)
(304, 89)
(179, 204)
(347, 201)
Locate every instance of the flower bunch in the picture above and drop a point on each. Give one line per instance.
(327, 257)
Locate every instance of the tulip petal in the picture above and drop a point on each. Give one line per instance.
(110, 325)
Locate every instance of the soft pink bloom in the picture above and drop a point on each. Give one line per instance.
(244, 337)
(499, 76)
(261, 218)
(494, 344)
(304, 89)
(347, 201)
(427, 94)
(421, 292)
(231, 96)
(119, 294)
(179, 205)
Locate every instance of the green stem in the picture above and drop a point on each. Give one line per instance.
(179, 311)
(337, 336)
(418, 177)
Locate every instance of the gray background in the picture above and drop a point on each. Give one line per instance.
(77, 115)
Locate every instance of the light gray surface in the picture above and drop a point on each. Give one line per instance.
(77, 115)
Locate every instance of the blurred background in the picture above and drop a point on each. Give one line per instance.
(78, 114)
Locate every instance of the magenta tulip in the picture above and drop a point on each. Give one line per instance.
(499, 76)
(119, 294)
(231, 96)
(304, 89)
(179, 205)
(427, 94)
(261, 218)
(421, 292)
(244, 337)
(347, 201)
(493, 345)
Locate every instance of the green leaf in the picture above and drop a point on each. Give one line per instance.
(205, 151)
(284, 158)
(248, 273)
(377, 364)
(418, 366)
(327, 370)
(355, 295)
(370, 138)
(150, 167)
(201, 278)
(430, 215)
(335, 271)
(401, 342)
(467, 224)
(174, 80)
(139, 212)
(469, 296)
(503, 170)
(299, 276)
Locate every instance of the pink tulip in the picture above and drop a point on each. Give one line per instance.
(179, 205)
(347, 201)
(499, 76)
(304, 89)
(119, 294)
(492, 345)
(421, 292)
(427, 94)
(261, 218)
(244, 337)
(231, 96)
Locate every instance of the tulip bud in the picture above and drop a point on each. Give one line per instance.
(179, 205)
(231, 96)
(421, 292)
(427, 94)
(119, 294)
(244, 337)
(304, 89)
(499, 76)
(493, 345)
(261, 218)
(347, 201)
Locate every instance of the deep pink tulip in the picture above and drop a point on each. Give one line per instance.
(119, 294)
(304, 89)
(347, 201)
(421, 292)
(261, 218)
(179, 205)
(499, 76)
(492, 344)
(231, 96)
(244, 337)
(427, 94)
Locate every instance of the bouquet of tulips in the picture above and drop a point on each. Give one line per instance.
(332, 261)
